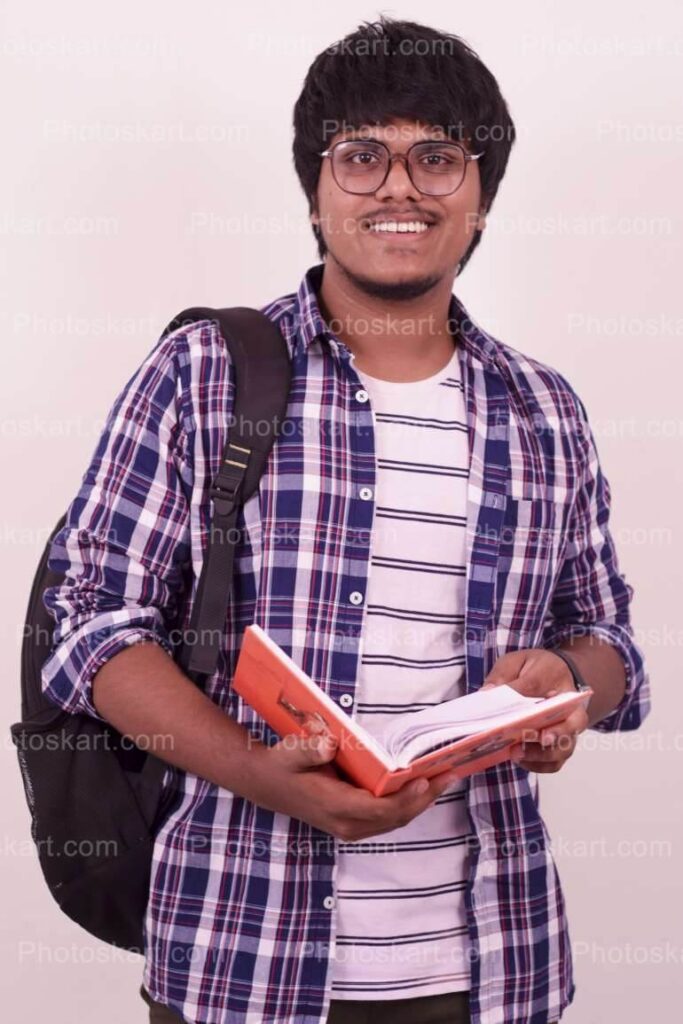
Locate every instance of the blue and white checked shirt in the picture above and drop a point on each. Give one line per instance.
(240, 925)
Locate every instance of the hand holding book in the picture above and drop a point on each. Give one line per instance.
(297, 776)
(468, 734)
(536, 672)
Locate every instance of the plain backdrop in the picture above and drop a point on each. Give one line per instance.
(147, 167)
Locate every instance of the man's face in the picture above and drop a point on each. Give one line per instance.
(391, 263)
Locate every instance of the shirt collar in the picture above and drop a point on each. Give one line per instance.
(311, 325)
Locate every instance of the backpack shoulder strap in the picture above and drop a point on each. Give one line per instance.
(262, 370)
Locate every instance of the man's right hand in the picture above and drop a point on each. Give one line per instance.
(295, 777)
(145, 695)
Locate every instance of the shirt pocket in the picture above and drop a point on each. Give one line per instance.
(532, 542)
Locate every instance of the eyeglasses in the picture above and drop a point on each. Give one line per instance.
(361, 166)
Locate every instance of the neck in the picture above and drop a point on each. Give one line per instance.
(399, 340)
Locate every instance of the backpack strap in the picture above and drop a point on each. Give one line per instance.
(262, 381)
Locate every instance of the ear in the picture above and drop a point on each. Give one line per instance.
(314, 216)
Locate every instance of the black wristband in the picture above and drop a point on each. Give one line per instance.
(579, 682)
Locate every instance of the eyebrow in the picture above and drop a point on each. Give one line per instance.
(351, 134)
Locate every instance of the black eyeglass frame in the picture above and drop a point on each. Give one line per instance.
(405, 160)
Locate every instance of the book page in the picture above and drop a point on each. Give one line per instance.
(414, 733)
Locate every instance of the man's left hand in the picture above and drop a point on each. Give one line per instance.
(536, 672)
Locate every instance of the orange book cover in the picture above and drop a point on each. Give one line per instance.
(468, 734)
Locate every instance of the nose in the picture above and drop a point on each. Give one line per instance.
(398, 182)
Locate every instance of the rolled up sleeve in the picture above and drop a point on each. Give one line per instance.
(124, 548)
(591, 595)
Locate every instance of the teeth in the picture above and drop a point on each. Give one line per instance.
(401, 227)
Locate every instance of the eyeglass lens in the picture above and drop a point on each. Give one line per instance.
(436, 168)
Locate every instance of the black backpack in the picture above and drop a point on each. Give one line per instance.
(95, 798)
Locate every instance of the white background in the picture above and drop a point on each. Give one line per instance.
(147, 167)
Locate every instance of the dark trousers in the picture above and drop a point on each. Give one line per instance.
(450, 1008)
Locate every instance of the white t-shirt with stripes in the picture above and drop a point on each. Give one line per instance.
(401, 926)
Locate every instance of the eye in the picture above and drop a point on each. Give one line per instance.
(441, 158)
(362, 157)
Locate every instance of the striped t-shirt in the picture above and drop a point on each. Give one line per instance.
(401, 925)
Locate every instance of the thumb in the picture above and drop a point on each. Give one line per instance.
(505, 670)
(305, 750)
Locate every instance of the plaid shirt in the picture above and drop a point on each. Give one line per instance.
(240, 924)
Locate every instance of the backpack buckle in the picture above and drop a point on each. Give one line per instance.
(228, 481)
(225, 498)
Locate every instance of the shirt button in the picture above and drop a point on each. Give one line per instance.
(346, 700)
(328, 902)
(355, 597)
(365, 493)
(362, 395)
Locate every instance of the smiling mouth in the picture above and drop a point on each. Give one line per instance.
(393, 227)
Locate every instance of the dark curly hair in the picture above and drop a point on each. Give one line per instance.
(398, 69)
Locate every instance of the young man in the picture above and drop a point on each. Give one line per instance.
(433, 518)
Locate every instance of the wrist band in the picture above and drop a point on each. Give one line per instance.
(579, 682)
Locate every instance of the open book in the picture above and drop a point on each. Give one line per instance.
(468, 733)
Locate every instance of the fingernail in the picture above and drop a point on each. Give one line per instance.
(421, 786)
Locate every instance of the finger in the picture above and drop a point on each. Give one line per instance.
(541, 766)
(414, 796)
(300, 752)
(575, 722)
(560, 751)
(535, 752)
(364, 806)
(542, 675)
(438, 784)
(505, 670)
(427, 789)
(563, 744)
(558, 732)
(387, 813)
